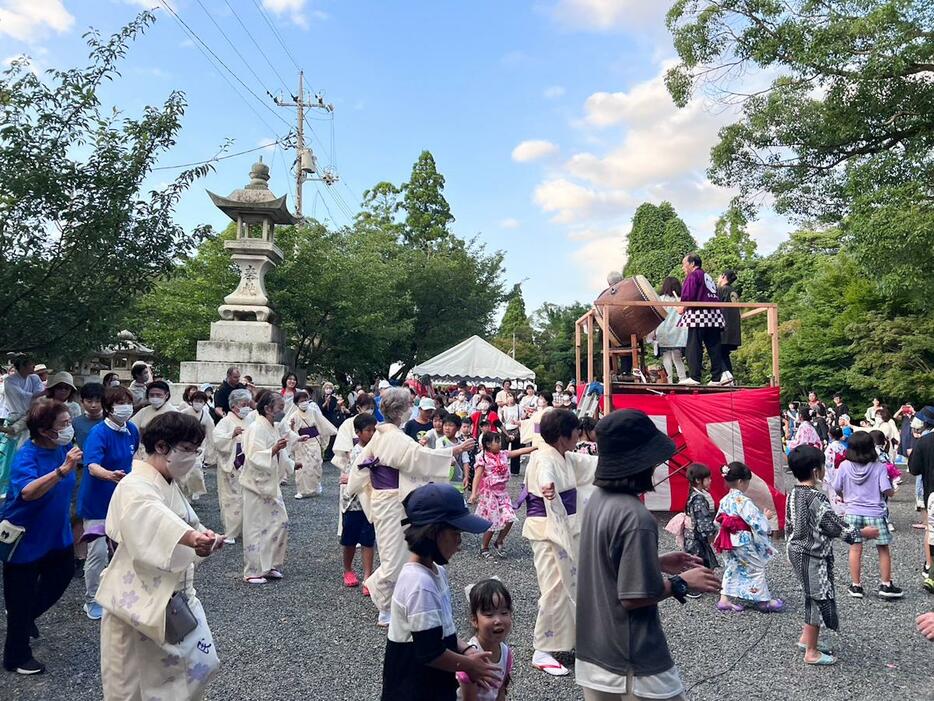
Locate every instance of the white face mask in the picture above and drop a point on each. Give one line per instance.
(157, 402)
(461, 397)
(115, 383)
(180, 464)
(244, 411)
(65, 436)
(303, 406)
(197, 406)
(483, 406)
(122, 412)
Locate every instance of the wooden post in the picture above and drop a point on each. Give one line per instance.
(773, 333)
(634, 352)
(577, 352)
(590, 348)
(607, 378)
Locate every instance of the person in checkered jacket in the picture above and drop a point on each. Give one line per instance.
(704, 325)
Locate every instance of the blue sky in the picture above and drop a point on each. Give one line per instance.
(548, 119)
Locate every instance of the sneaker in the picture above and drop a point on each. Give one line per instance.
(498, 550)
(688, 381)
(384, 619)
(925, 571)
(726, 378)
(33, 666)
(891, 527)
(93, 611)
(928, 585)
(890, 591)
(485, 554)
(856, 591)
(299, 496)
(350, 580)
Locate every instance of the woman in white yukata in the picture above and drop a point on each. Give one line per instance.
(391, 466)
(158, 541)
(558, 483)
(193, 485)
(265, 521)
(309, 423)
(228, 437)
(158, 395)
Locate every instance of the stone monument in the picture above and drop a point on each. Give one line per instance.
(247, 335)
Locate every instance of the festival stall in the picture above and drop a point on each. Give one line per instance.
(473, 360)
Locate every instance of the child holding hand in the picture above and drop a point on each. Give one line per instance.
(811, 524)
(491, 616)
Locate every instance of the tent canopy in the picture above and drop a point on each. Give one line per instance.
(473, 360)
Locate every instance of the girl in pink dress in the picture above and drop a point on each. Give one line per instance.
(491, 490)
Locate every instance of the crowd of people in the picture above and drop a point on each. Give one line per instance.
(105, 480)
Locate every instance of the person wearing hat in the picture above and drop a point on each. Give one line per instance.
(383, 384)
(43, 373)
(390, 467)
(417, 428)
(557, 485)
(61, 388)
(621, 648)
(921, 463)
(423, 651)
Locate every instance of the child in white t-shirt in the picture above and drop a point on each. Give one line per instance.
(491, 617)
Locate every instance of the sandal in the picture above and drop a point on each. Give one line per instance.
(729, 608)
(820, 647)
(823, 661)
(555, 670)
(772, 606)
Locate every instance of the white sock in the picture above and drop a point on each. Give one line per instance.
(543, 658)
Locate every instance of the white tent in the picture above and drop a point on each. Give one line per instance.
(473, 360)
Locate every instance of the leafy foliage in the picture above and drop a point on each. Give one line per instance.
(79, 242)
(657, 242)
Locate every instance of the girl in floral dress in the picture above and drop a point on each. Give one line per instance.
(491, 490)
(744, 542)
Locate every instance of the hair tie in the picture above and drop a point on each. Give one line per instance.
(471, 586)
(724, 470)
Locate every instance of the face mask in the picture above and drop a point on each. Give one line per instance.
(157, 402)
(243, 412)
(197, 406)
(180, 464)
(65, 436)
(115, 383)
(122, 412)
(303, 406)
(279, 416)
(483, 406)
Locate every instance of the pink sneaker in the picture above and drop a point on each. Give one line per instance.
(350, 580)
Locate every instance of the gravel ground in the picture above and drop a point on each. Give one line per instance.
(307, 637)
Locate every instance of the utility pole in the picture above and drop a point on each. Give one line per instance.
(305, 161)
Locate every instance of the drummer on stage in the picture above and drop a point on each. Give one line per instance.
(704, 325)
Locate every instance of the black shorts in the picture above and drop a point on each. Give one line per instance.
(356, 530)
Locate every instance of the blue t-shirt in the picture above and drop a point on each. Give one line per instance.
(83, 425)
(112, 450)
(47, 520)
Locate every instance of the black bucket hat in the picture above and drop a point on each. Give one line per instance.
(629, 443)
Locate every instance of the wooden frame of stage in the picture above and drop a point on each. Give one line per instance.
(612, 348)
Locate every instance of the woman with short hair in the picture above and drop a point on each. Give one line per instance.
(312, 428)
(157, 398)
(39, 501)
(228, 437)
(265, 520)
(155, 640)
(193, 486)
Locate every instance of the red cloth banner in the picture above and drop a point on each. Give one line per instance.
(716, 429)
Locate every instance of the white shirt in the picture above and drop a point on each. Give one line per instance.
(421, 601)
(19, 391)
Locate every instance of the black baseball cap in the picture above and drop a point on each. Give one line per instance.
(441, 503)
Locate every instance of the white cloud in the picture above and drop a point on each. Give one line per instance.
(571, 203)
(509, 223)
(296, 11)
(601, 254)
(553, 92)
(514, 58)
(533, 150)
(603, 15)
(28, 20)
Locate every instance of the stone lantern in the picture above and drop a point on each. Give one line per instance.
(247, 335)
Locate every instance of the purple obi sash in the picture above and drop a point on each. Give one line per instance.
(310, 431)
(537, 428)
(535, 506)
(381, 476)
(239, 457)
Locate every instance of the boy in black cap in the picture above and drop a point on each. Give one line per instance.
(423, 652)
(621, 648)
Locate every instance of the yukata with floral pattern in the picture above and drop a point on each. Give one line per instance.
(493, 502)
(744, 565)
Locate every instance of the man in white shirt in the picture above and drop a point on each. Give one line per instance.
(503, 393)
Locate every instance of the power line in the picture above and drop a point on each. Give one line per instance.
(218, 158)
(233, 46)
(278, 37)
(233, 87)
(220, 61)
(256, 44)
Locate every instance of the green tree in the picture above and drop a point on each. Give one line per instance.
(843, 134)
(515, 322)
(657, 242)
(554, 337)
(427, 213)
(79, 241)
(730, 247)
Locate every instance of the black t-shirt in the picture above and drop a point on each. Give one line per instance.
(921, 462)
(416, 430)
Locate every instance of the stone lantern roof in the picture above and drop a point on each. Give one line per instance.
(255, 199)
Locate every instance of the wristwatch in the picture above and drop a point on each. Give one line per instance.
(679, 588)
